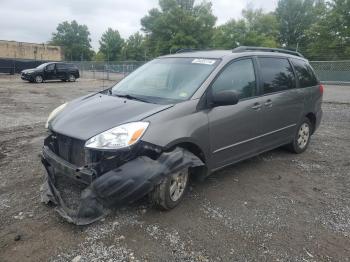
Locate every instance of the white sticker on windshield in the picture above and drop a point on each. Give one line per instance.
(203, 61)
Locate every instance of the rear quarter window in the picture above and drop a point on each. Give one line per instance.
(305, 74)
(277, 74)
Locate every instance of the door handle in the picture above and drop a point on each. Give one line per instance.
(256, 106)
(268, 103)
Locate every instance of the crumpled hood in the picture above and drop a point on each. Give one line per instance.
(88, 116)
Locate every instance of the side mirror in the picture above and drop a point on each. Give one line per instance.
(224, 98)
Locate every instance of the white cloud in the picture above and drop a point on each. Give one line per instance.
(227, 9)
(35, 20)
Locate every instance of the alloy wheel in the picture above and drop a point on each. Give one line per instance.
(71, 78)
(303, 135)
(38, 79)
(178, 183)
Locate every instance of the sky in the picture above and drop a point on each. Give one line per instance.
(35, 20)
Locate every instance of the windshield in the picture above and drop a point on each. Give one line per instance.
(166, 80)
(42, 65)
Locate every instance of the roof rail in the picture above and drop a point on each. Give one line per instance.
(186, 50)
(265, 49)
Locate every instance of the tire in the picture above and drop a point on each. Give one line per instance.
(302, 137)
(163, 198)
(38, 79)
(71, 78)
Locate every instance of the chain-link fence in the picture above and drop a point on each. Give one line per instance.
(327, 71)
(113, 71)
(332, 71)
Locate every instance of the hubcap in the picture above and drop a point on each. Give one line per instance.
(178, 182)
(38, 79)
(303, 135)
(71, 78)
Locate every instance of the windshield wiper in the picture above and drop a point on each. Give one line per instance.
(131, 97)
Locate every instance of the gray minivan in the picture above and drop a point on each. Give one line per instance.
(181, 115)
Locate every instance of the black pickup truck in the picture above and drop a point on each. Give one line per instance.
(51, 71)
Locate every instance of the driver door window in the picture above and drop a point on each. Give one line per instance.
(239, 77)
(50, 67)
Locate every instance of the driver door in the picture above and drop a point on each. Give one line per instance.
(234, 129)
(50, 71)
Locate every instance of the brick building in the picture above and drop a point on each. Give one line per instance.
(22, 50)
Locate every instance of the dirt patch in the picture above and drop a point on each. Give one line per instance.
(2, 155)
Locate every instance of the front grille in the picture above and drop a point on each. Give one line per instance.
(70, 149)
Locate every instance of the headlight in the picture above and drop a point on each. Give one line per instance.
(54, 113)
(118, 137)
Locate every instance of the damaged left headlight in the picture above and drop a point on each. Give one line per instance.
(118, 137)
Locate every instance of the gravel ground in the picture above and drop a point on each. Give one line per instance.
(274, 207)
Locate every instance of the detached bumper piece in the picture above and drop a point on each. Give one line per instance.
(122, 185)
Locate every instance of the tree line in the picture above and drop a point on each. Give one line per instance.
(320, 29)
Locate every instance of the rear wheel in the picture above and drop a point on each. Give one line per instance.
(302, 137)
(171, 191)
(71, 78)
(38, 79)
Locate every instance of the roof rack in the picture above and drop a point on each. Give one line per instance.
(186, 50)
(265, 49)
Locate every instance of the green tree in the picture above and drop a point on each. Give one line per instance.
(111, 45)
(329, 37)
(178, 24)
(98, 57)
(135, 48)
(294, 18)
(74, 39)
(254, 29)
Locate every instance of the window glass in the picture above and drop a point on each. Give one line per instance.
(50, 67)
(238, 77)
(304, 73)
(61, 66)
(167, 79)
(277, 74)
(42, 66)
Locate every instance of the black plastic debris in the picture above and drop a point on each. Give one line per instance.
(122, 185)
(17, 237)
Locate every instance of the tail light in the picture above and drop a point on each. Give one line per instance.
(321, 89)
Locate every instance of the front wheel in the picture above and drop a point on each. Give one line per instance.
(302, 137)
(38, 79)
(171, 191)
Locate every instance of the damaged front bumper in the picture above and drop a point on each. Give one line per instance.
(120, 185)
